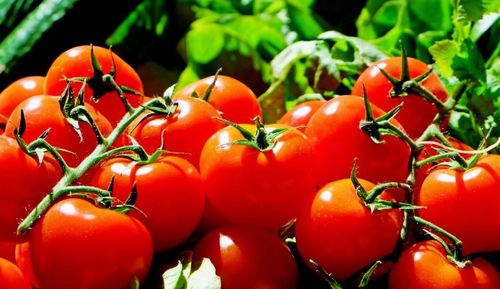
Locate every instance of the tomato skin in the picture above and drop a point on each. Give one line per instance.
(185, 131)
(424, 266)
(61, 134)
(455, 200)
(337, 141)
(300, 115)
(232, 98)
(76, 62)
(23, 261)
(7, 250)
(24, 183)
(339, 232)
(11, 277)
(169, 193)
(416, 113)
(250, 187)
(78, 245)
(249, 258)
(18, 91)
(429, 151)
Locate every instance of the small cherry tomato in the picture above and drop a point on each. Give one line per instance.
(248, 258)
(11, 277)
(300, 115)
(424, 265)
(340, 233)
(80, 246)
(232, 98)
(18, 91)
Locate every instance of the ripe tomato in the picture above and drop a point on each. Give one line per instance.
(416, 113)
(233, 99)
(337, 141)
(18, 91)
(429, 151)
(300, 115)
(425, 266)
(464, 203)
(11, 277)
(42, 112)
(169, 193)
(76, 62)
(78, 245)
(185, 131)
(24, 183)
(23, 261)
(249, 258)
(338, 232)
(260, 188)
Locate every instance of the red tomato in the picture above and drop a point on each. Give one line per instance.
(300, 115)
(416, 113)
(464, 203)
(18, 91)
(233, 99)
(252, 187)
(42, 112)
(425, 266)
(429, 151)
(169, 193)
(11, 277)
(24, 183)
(248, 258)
(80, 246)
(337, 141)
(23, 261)
(76, 62)
(338, 232)
(185, 131)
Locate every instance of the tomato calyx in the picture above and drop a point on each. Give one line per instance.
(405, 85)
(102, 83)
(376, 127)
(371, 199)
(263, 140)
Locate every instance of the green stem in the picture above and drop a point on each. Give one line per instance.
(110, 79)
(394, 130)
(435, 158)
(60, 189)
(457, 243)
(378, 189)
(42, 143)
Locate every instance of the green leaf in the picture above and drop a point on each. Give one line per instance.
(482, 26)
(204, 43)
(303, 21)
(443, 53)
(472, 10)
(29, 31)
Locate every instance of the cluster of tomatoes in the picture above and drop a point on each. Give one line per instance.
(112, 177)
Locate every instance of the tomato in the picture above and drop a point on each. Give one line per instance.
(233, 99)
(7, 250)
(3, 122)
(300, 115)
(249, 258)
(25, 182)
(11, 277)
(18, 91)
(78, 245)
(62, 135)
(341, 234)
(23, 261)
(76, 62)
(169, 193)
(185, 131)
(429, 151)
(416, 113)
(425, 266)
(337, 141)
(464, 203)
(260, 188)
